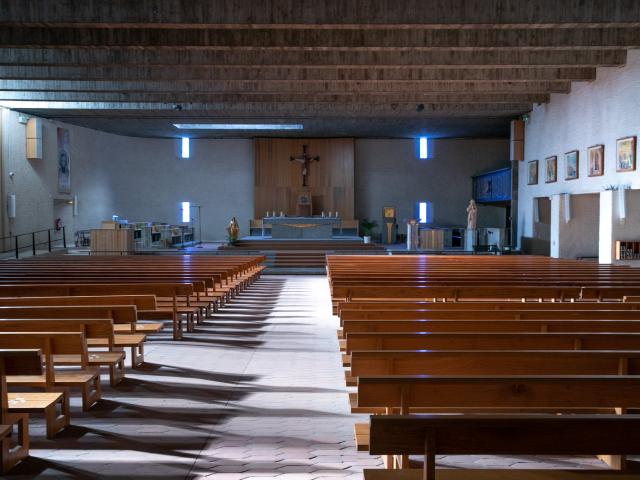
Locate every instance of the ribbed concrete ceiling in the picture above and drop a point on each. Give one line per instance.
(397, 68)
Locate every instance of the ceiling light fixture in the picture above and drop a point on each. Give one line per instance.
(238, 126)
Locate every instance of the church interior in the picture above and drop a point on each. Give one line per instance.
(366, 240)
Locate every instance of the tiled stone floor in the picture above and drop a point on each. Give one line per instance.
(258, 391)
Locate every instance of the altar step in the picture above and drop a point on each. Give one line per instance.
(323, 245)
(308, 256)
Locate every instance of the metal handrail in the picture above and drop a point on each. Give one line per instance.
(16, 242)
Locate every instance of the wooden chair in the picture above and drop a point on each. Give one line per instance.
(121, 314)
(87, 379)
(97, 328)
(14, 446)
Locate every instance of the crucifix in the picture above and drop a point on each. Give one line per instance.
(305, 161)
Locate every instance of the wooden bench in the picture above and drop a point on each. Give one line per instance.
(431, 435)
(14, 446)
(503, 314)
(143, 304)
(490, 341)
(173, 290)
(407, 394)
(351, 326)
(87, 379)
(496, 362)
(97, 328)
(121, 314)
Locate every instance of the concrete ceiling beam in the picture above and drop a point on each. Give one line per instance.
(156, 74)
(282, 86)
(346, 58)
(287, 13)
(300, 98)
(315, 39)
(290, 111)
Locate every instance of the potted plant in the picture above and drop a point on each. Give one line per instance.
(366, 228)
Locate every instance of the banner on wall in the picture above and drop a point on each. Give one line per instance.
(64, 162)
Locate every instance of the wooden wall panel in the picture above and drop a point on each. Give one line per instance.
(278, 181)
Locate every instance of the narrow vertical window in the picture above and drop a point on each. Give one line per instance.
(423, 212)
(424, 148)
(186, 212)
(185, 147)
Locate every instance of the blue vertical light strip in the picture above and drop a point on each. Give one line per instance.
(186, 212)
(185, 147)
(424, 148)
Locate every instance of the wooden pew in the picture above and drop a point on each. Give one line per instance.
(473, 293)
(122, 314)
(143, 304)
(56, 343)
(96, 328)
(173, 290)
(15, 448)
(490, 314)
(407, 394)
(490, 341)
(431, 435)
(632, 326)
(494, 362)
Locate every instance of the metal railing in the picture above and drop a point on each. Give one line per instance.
(26, 241)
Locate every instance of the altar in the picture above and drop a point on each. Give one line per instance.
(302, 227)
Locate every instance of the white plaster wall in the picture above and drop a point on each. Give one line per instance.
(579, 236)
(138, 179)
(594, 113)
(148, 180)
(389, 173)
(143, 179)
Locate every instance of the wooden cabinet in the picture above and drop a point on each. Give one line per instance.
(627, 250)
(112, 242)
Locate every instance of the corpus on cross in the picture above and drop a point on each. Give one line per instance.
(305, 161)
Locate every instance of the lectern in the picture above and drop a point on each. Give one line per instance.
(389, 226)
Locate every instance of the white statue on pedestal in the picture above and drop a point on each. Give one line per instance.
(472, 215)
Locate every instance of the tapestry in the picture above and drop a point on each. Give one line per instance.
(64, 162)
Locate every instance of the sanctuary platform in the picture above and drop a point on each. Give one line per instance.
(302, 255)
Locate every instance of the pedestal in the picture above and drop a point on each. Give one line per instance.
(412, 235)
(470, 237)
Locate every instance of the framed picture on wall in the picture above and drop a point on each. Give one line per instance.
(551, 169)
(626, 154)
(532, 172)
(571, 165)
(595, 156)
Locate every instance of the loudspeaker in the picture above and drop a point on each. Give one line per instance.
(566, 199)
(34, 139)
(622, 203)
(11, 206)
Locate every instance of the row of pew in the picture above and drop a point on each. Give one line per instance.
(65, 318)
(512, 355)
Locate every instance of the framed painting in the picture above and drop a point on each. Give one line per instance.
(571, 165)
(595, 155)
(532, 172)
(551, 169)
(389, 212)
(626, 154)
